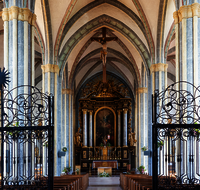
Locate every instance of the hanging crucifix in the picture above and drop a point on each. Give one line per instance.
(103, 41)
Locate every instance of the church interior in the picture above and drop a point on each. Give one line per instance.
(101, 60)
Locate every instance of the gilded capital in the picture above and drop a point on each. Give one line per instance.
(195, 9)
(14, 12)
(159, 67)
(176, 17)
(125, 110)
(152, 68)
(67, 91)
(184, 11)
(22, 14)
(142, 90)
(34, 17)
(5, 14)
(119, 112)
(90, 111)
(84, 111)
(165, 67)
(27, 14)
(50, 68)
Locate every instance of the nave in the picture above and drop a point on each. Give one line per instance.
(109, 183)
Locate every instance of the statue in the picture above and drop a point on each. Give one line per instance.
(77, 138)
(104, 141)
(131, 138)
(104, 54)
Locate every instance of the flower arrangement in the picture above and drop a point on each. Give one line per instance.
(64, 149)
(77, 171)
(144, 148)
(160, 144)
(104, 174)
(67, 170)
(108, 144)
(101, 145)
(141, 169)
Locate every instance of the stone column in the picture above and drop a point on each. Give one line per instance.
(84, 127)
(125, 110)
(17, 47)
(52, 84)
(90, 128)
(119, 127)
(18, 43)
(187, 22)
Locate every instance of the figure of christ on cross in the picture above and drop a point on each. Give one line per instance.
(103, 41)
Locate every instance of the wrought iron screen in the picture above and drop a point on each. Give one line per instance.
(176, 137)
(26, 139)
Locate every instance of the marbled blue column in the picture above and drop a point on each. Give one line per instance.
(63, 143)
(119, 127)
(90, 129)
(150, 135)
(59, 106)
(125, 127)
(67, 129)
(84, 127)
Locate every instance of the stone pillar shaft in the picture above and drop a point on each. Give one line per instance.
(84, 127)
(119, 128)
(90, 129)
(125, 110)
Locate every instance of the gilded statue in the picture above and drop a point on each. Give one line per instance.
(131, 138)
(77, 138)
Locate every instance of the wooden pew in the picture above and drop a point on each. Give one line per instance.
(72, 182)
(141, 181)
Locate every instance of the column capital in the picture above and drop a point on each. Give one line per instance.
(195, 9)
(84, 111)
(67, 91)
(90, 111)
(22, 14)
(119, 111)
(142, 90)
(50, 68)
(125, 109)
(5, 15)
(13, 12)
(176, 17)
(158, 67)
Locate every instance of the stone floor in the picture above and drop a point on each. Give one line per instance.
(104, 183)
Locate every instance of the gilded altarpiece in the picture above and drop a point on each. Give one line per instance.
(104, 100)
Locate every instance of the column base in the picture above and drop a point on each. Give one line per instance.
(125, 146)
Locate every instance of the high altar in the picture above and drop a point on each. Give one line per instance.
(105, 126)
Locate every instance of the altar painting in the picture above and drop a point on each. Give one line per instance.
(105, 127)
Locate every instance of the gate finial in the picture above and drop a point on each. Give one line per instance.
(4, 77)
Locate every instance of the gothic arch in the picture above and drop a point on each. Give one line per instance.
(67, 24)
(110, 22)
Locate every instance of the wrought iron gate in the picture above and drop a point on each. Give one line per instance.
(176, 137)
(26, 139)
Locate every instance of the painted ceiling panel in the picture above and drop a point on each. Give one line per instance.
(151, 9)
(169, 17)
(78, 4)
(40, 19)
(76, 50)
(57, 9)
(130, 5)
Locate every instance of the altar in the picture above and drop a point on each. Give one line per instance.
(105, 163)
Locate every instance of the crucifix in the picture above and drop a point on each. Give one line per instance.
(103, 41)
